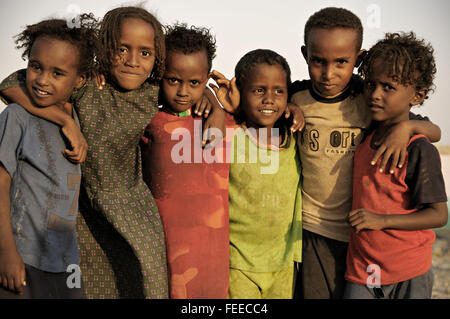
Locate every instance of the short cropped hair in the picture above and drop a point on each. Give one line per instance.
(187, 40)
(244, 67)
(408, 59)
(84, 37)
(333, 18)
(110, 38)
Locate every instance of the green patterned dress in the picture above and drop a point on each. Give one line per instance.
(120, 234)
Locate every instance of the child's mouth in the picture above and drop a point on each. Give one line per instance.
(40, 92)
(267, 111)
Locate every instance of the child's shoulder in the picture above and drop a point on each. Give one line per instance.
(16, 113)
(298, 86)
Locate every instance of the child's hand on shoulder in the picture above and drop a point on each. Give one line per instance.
(298, 120)
(99, 80)
(361, 219)
(226, 91)
(393, 147)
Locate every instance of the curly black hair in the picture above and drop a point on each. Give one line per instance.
(333, 18)
(84, 37)
(408, 59)
(245, 66)
(110, 38)
(187, 40)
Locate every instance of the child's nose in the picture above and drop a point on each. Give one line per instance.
(268, 97)
(42, 78)
(132, 59)
(182, 90)
(327, 72)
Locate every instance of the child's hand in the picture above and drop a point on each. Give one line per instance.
(12, 270)
(393, 146)
(227, 92)
(361, 219)
(99, 80)
(298, 120)
(76, 139)
(203, 107)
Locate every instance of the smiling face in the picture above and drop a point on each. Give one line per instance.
(185, 79)
(52, 72)
(136, 57)
(389, 100)
(331, 55)
(264, 95)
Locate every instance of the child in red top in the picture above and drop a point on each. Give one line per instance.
(190, 184)
(389, 253)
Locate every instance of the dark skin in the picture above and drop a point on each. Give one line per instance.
(390, 103)
(229, 96)
(331, 55)
(12, 268)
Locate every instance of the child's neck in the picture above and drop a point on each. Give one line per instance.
(169, 110)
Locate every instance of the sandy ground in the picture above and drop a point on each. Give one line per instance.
(441, 265)
(441, 248)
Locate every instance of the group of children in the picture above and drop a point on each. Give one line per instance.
(268, 211)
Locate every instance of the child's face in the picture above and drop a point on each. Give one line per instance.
(388, 100)
(331, 55)
(264, 96)
(185, 79)
(52, 72)
(136, 57)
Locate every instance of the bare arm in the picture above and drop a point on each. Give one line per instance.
(56, 115)
(216, 119)
(12, 268)
(431, 216)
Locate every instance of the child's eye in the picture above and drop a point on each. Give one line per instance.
(172, 80)
(122, 50)
(57, 74)
(388, 87)
(316, 61)
(195, 82)
(34, 66)
(259, 91)
(146, 53)
(279, 91)
(342, 61)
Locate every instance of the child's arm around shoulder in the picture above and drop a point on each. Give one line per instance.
(396, 140)
(427, 194)
(12, 268)
(13, 90)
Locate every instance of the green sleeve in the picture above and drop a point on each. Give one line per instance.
(16, 79)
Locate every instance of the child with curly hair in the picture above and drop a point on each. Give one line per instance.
(393, 214)
(39, 187)
(190, 190)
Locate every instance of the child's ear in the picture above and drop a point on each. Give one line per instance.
(360, 57)
(305, 53)
(419, 97)
(80, 81)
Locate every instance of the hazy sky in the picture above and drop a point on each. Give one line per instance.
(244, 25)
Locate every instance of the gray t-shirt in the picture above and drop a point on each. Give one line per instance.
(44, 189)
